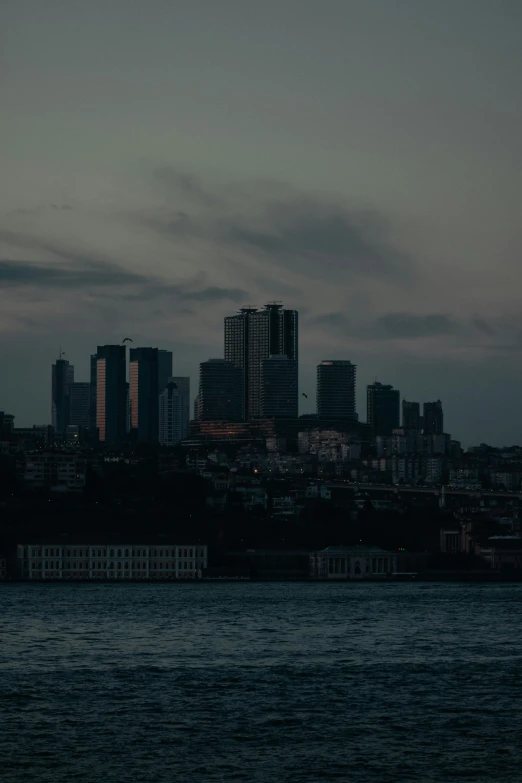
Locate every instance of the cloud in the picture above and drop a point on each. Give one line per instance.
(411, 327)
(307, 234)
(185, 184)
(90, 273)
(155, 290)
(483, 326)
(19, 274)
(329, 320)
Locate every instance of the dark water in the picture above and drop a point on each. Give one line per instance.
(260, 682)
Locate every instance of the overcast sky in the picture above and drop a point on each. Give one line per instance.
(165, 162)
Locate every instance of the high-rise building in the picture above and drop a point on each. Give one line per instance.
(111, 393)
(253, 335)
(6, 423)
(62, 377)
(183, 386)
(143, 394)
(93, 373)
(383, 408)
(336, 389)
(279, 396)
(220, 395)
(80, 405)
(433, 418)
(411, 418)
(170, 415)
(164, 369)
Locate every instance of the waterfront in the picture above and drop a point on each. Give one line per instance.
(258, 682)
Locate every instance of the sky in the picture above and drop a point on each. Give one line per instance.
(165, 162)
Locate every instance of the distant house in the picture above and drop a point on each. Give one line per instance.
(359, 562)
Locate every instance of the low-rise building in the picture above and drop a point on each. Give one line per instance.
(284, 506)
(505, 478)
(61, 471)
(110, 562)
(502, 553)
(464, 478)
(359, 562)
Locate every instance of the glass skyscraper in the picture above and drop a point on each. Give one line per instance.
(336, 389)
(253, 335)
(62, 378)
(144, 394)
(111, 393)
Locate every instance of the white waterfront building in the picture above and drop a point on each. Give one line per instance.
(111, 561)
(359, 562)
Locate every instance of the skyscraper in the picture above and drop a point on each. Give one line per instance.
(170, 415)
(433, 418)
(220, 395)
(164, 368)
(111, 393)
(336, 389)
(411, 418)
(383, 408)
(93, 374)
(183, 386)
(253, 335)
(62, 377)
(143, 394)
(80, 404)
(279, 397)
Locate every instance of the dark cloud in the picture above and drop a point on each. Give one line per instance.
(215, 293)
(410, 326)
(27, 273)
(483, 326)
(329, 320)
(83, 271)
(306, 236)
(275, 225)
(183, 291)
(17, 274)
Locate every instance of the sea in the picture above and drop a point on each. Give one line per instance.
(291, 682)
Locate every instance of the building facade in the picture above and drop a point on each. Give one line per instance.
(220, 395)
(183, 387)
(383, 408)
(164, 369)
(336, 389)
(360, 562)
(54, 470)
(144, 394)
(279, 392)
(110, 562)
(253, 335)
(111, 393)
(80, 405)
(170, 416)
(411, 417)
(62, 378)
(433, 418)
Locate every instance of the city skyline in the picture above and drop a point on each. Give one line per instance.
(376, 187)
(86, 390)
